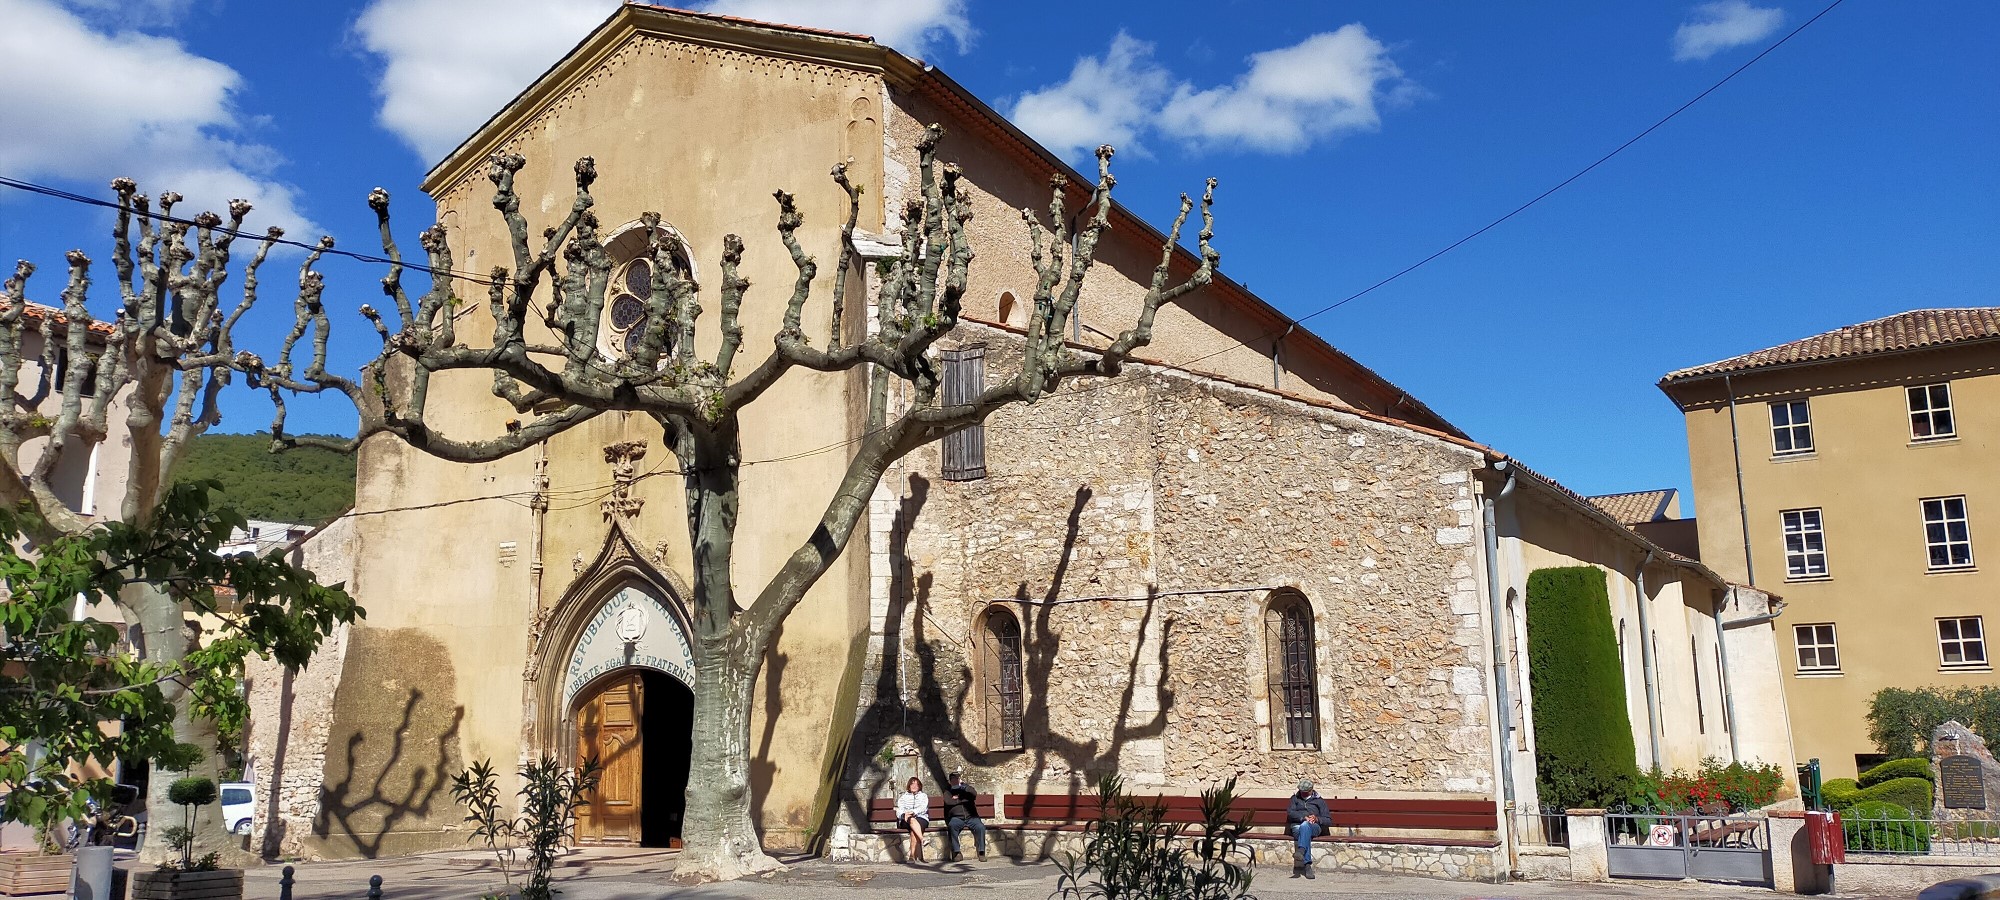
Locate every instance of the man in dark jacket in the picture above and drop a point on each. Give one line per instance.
(1305, 818)
(961, 811)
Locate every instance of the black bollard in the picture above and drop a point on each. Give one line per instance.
(285, 883)
(374, 887)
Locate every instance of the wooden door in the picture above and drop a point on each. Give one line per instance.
(607, 727)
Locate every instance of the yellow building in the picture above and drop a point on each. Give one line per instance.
(1858, 467)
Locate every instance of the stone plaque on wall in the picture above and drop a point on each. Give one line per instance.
(1961, 782)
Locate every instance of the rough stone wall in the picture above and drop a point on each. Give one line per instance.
(1210, 496)
(290, 713)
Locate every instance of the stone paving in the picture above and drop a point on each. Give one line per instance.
(634, 876)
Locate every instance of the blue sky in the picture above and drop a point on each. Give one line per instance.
(1852, 174)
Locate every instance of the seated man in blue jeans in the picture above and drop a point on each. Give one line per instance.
(961, 811)
(1305, 818)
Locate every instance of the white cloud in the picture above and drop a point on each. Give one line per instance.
(915, 27)
(88, 105)
(1324, 85)
(1718, 26)
(1106, 100)
(1330, 83)
(449, 65)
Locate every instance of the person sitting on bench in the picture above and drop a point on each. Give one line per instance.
(913, 814)
(1306, 818)
(961, 811)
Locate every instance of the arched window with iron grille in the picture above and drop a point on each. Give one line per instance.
(1290, 648)
(1000, 678)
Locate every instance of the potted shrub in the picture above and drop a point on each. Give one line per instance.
(189, 877)
(45, 869)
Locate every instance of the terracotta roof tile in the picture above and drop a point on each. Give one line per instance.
(1912, 330)
(1636, 506)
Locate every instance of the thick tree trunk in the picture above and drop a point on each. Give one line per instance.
(722, 843)
(165, 635)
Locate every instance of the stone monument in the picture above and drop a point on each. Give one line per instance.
(1968, 778)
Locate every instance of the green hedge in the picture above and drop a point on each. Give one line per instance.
(1908, 793)
(1897, 768)
(1584, 753)
(1874, 825)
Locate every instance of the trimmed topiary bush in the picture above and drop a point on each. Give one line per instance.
(1583, 738)
(1908, 793)
(1914, 767)
(1840, 793)
(1879, 826)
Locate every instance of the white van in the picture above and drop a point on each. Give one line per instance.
(238, 799)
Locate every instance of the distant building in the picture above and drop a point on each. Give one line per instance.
(1655, 514)
(1859, 467)
(261, 537)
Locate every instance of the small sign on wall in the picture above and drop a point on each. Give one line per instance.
(1661, 836)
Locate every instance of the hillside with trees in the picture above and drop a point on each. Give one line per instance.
(306, 485)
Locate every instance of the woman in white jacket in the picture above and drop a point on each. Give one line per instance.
(913, 814)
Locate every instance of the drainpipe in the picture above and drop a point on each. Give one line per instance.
(1278, 357)
(1728, 700)
(1646, 660)
(1503, 705)
(1742, 507)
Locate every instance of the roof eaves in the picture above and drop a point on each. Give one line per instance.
(948, 92)
(1553, 488)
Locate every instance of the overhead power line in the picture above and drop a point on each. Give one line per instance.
(1110, 382)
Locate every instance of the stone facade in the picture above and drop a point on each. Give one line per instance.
(287, 737)
(1138, 528)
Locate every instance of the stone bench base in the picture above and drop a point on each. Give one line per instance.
(1457, 863)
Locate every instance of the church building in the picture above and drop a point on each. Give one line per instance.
(1249, 556)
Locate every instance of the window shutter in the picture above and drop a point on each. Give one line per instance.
(964, 380)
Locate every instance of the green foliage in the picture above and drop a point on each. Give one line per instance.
(1885, 827)
(303, 484)
(1739, 786)
(1916, 767)
(1907, 792)
(193, 790)
(1900, 720)
(550, 795)
(66, 682)
(1584, 752)
(1132, 853)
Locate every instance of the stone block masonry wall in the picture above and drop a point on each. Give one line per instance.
(1137, 529)
(291, 712)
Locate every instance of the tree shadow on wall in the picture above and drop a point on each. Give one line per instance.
(385, 783)
(934, 715)
(763, 767)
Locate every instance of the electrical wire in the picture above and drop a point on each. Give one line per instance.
(1109, 382)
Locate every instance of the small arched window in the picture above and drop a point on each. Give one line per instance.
(1008, 309)
(1288, 629)
(999, 675)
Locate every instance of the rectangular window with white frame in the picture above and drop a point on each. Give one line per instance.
(1962, 642)
(1805, 543)
(1818, 651)
(1791, 428)
(1947, 533)
(1930, 412)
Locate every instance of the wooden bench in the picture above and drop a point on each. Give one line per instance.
(1719, 831)
(1353, 819)
(882, 813)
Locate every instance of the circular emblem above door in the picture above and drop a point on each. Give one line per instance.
(631, 624)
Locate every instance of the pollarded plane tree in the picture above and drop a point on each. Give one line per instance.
(149, 377)
(561, 381)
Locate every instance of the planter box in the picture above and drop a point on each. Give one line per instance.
(34, 872)
(168, 884)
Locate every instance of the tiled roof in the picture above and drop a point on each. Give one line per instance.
(1912, 330)
(1635, 507)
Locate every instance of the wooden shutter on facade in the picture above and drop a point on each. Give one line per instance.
(964, 381)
